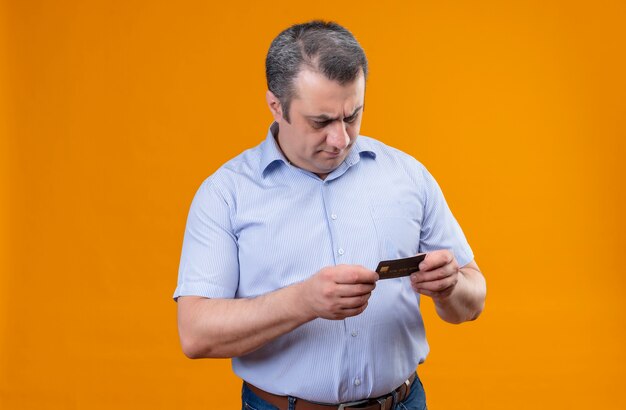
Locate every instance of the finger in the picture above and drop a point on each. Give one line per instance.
(358, 289)
(436, 274)
(436, 259)
(352, 274)
(435, 295)
(436, 286)
(353, 302)
(355, 311)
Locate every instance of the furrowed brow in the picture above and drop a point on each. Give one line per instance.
(355, 112)
(324, 117)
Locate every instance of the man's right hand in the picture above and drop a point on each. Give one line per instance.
(235, 327)
(337, 292)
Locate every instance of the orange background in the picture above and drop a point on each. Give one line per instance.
(113, 112)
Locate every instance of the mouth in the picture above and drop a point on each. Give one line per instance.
(332, 154)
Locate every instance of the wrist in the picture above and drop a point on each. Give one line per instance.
(301, 303)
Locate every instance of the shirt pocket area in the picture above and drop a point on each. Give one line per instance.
(398, 226)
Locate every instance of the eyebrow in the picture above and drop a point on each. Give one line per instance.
(325, 117)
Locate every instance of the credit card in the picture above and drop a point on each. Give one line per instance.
(397, 268)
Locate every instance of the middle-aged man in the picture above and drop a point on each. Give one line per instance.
(276, 267)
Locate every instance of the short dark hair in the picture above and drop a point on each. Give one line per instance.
(325, 47)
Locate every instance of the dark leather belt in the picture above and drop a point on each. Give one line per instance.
(385, 402)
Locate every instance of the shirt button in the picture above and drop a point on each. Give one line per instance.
(354, 333)
(333, 216)
(341, 251)
(357, 382)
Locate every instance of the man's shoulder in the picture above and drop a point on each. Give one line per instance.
(244, 165)
(388, 155)
(234, 175)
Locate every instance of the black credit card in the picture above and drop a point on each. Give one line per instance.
(397, 268)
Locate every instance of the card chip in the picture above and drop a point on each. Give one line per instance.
(399, 267)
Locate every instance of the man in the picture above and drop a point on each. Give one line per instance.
(276, 267)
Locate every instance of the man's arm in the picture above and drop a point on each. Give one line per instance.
(459, 293)
(234, 327)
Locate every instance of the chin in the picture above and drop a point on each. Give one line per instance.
(330, 168)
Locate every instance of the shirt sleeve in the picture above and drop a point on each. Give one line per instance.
(209, 264)
(440, 230)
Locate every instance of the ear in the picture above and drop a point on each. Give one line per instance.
(274, 104)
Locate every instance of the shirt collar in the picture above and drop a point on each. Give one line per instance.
(272, 156)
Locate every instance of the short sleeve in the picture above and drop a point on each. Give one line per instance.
(440, 230)
(209, 264)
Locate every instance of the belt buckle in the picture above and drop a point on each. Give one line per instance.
(342, 406)
(382, 402)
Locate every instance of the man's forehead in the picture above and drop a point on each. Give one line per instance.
(309, 77)
(319, 95)
(333, 116)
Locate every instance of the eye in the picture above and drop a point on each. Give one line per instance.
(320, 124)
(351, 118)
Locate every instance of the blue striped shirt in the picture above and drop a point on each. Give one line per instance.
(259, 224)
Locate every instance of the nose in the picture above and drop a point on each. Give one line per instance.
(338, 136)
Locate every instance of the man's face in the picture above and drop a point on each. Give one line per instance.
(325, 119)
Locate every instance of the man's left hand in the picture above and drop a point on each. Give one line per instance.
(438, 275)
